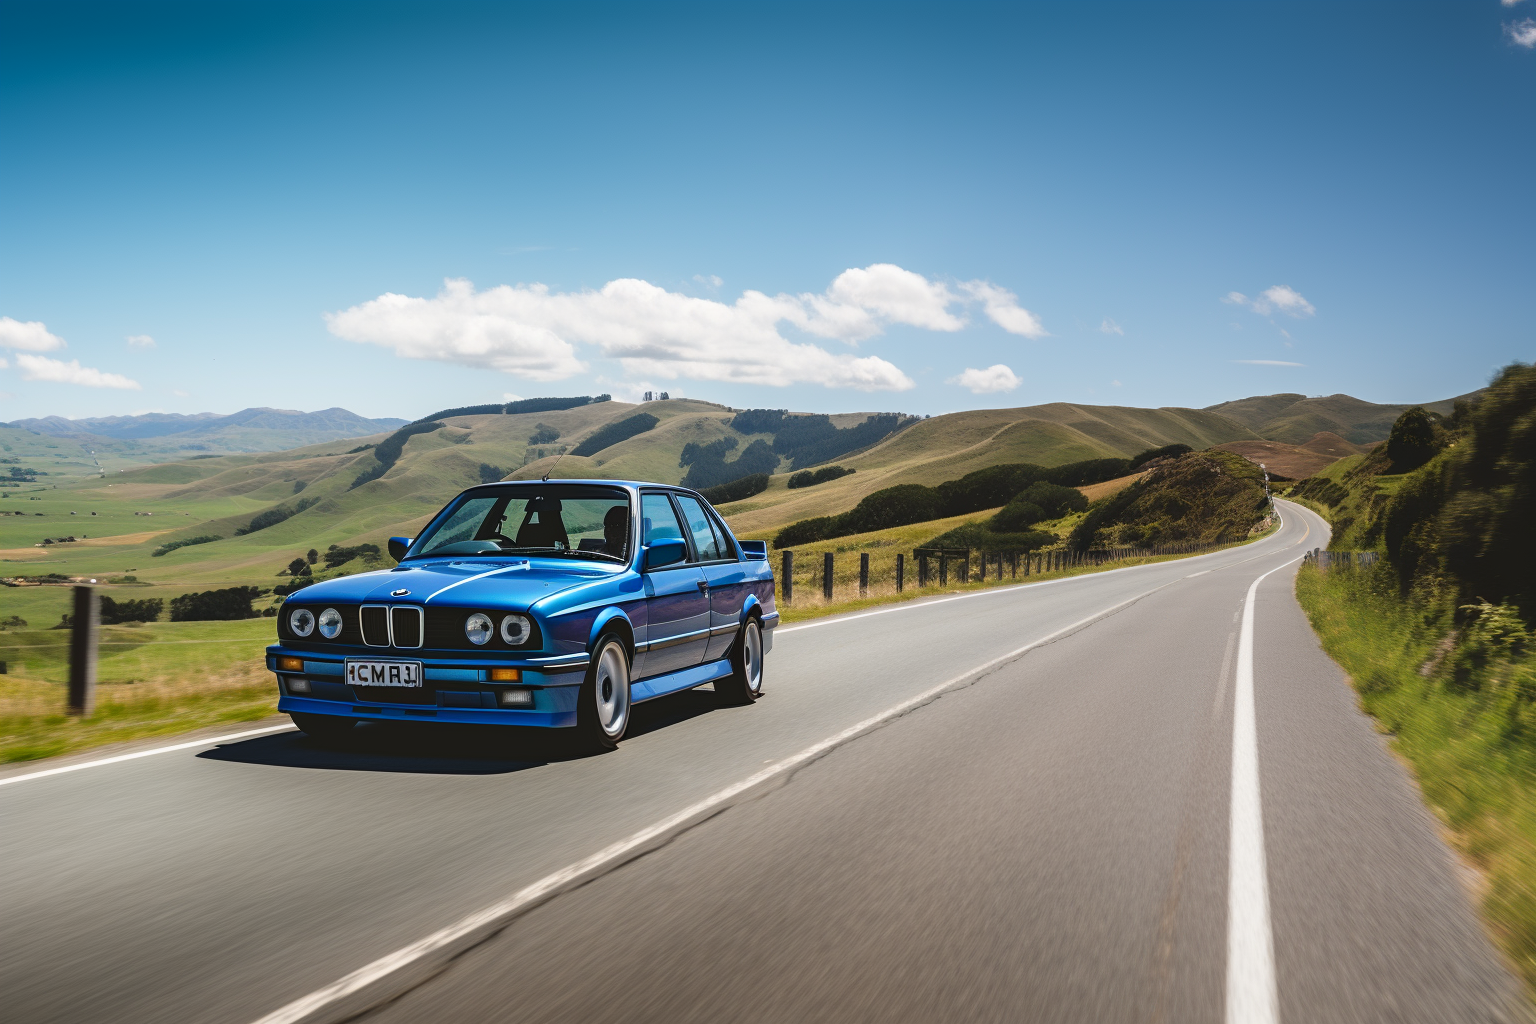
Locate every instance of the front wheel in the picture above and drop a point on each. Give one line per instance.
(602, 709)
(745, 683)
(323, 727)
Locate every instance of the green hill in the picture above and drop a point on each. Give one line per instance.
(1292, 419)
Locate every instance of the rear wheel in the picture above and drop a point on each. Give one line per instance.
(323, 727)
(602, 709)
(745, 683)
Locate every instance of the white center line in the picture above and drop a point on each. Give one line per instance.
(209, 741)
(1252, 997)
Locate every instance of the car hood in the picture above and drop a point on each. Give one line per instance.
(502, 583)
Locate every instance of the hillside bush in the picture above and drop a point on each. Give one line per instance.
(708, 467)
(489, 474)
(1412, 441)
(170, 546)
(388, 451)
(211, 605)
(758, 421)
(736, 490)
(1017, 515)
(523, 405)
(807, 531)
(273, 516)
(339, 555)
(891, 506)
(1167, 451)
(543, 434)
(812, 477)
(610, 434)
(1211, 496)
(978, 537)
(1055, 500)
(116, 612)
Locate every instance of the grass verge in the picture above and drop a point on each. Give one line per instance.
(153, 679)
(1461, 710)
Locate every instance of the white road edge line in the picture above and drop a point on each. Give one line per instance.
(207, 742)
(334, 1002)
(1252, 996)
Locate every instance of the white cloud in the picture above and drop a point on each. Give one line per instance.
(30, 336)
(1267, 362)
(533, 332)
(1509, 3)
(179, 393)
(1114, 384)
(4, 365)
(59, 372)
(140, 341)
(1002, 308)
(507, 396)
(1110, 327)
(1522, 32)
(710, 280)
(1278, 298)
(993, 379)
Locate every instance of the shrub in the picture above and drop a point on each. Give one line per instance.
(1018, 514)
(489, 474)
(298, 567)
(543, 434)
(812, 477)
(892, 506)
(284, 589)
(1054, 500)
(1412, 441)
(736, 490)
(167, 548)
(979, 538)
(1167, 451)
(273, 516)
(114, 612)
(233, 603)
(299, 485)
(806, 531)
(759, 421)
(339, 555)
(611, 434)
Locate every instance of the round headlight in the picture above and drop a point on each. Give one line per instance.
(515, 629)
(330, 623)
(301, 621)
(478, 628)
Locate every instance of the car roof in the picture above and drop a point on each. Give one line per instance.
(629, 484)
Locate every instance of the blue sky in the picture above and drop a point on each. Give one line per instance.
(397, 208)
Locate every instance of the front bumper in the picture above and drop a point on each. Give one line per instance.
(454, 690)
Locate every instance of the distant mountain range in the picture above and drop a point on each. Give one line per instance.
(1293, 419)
(325, 425)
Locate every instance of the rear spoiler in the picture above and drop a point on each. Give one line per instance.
(755, 550)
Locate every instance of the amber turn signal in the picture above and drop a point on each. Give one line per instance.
(506, 675)
(285, 664)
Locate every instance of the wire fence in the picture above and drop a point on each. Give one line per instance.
(810, 577)
(1326, 560)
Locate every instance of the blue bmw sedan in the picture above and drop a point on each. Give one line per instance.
(558, 604)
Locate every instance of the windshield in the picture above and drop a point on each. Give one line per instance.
(553, 520)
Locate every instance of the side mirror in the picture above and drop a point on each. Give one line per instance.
(398, 546)
(754, 550)
(661, 553)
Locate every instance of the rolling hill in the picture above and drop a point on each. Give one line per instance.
(1293, 419)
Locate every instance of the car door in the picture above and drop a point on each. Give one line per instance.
(677, 600)
(724, 573)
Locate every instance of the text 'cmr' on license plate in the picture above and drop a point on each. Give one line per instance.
(383, 673)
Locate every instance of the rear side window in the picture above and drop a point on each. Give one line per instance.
(658, 521)
(707, 539)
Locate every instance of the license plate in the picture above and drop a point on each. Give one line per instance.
(383, 673)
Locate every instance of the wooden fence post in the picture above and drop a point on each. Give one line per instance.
(826, 576)
(864, 574)
(901, 571)
(787, 577)
(983, 560)
(85, 626)
(943, 569)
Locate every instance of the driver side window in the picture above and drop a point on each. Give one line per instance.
(658, 521)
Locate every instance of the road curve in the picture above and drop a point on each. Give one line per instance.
(1048, 841)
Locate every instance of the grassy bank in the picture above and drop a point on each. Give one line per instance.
(1460, 706)
(153, 679)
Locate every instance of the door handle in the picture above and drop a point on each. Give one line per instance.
(703, 586)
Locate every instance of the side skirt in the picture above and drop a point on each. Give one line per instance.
(682, 679)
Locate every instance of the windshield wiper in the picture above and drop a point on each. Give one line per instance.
(577, 552)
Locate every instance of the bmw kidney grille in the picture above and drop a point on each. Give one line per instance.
(392, 625)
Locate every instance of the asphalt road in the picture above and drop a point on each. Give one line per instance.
(1048, 841)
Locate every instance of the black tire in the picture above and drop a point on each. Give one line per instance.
(602, 707)
(324, 728)
(745, 683)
